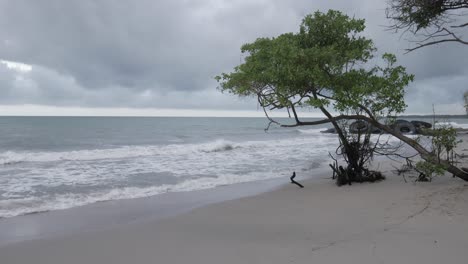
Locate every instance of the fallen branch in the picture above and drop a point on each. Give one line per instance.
(295, 182)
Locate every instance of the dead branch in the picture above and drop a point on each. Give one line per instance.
(295, 182)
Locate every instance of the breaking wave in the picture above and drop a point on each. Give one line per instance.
(13, 157)
(311, 131)
(46, 181)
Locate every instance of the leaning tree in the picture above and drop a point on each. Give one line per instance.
(327, 65)
(430, 21)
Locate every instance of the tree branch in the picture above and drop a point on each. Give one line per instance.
(436, 42)
(426, 155)
(460, 26)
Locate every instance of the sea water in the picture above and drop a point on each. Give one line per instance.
(52, 163)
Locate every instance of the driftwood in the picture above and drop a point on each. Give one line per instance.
(403, 170)
(295, 182)
(347, 176)
(335, 165)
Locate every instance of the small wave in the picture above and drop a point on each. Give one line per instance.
(41, 187)
(12, 157)
(452, 124)
(33, 205)
(217, 146)
(311, 131)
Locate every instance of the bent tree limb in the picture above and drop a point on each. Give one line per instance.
(425, 154)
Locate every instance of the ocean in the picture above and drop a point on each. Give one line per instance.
(53, 163)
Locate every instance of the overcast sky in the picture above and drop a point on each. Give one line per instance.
(121, 57)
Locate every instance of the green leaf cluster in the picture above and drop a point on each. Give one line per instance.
(420, 13)
(429, 169)
(444, 141)
(326, 63)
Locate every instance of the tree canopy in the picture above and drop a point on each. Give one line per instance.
(432, 21)
(324, 65)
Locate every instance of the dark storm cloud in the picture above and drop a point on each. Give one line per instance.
(103, 43)
(147, 53)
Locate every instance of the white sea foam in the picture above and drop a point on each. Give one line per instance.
(311, 131)
(217, 146)
(12, 157)
(452, 124)
(37, 181)
(45, 181)
(220, 145)
(29, 205)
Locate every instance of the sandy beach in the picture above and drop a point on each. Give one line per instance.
(387, 222)
(234, 132)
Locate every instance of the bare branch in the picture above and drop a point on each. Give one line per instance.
(433, 17)
(460, 26)
(436, 42)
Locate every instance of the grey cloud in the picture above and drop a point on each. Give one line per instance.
(438, 91)
(129, 43)
(44, 86)
(146, 53)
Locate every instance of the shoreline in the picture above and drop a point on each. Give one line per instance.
(116, 213)
(385, 222)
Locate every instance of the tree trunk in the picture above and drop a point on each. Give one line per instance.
(426, 155)
(353, 161)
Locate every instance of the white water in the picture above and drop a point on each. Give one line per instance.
(452, 124)
(43, 170)
(58, 180)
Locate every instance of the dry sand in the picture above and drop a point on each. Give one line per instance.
(387, 222)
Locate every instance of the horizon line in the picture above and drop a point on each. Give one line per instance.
(31, 110)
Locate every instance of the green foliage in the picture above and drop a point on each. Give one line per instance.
(325, 64)
(421, 13)
(444, 142)
(428, 170)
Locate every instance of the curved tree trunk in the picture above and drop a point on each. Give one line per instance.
(353, 160)
(426, 155)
